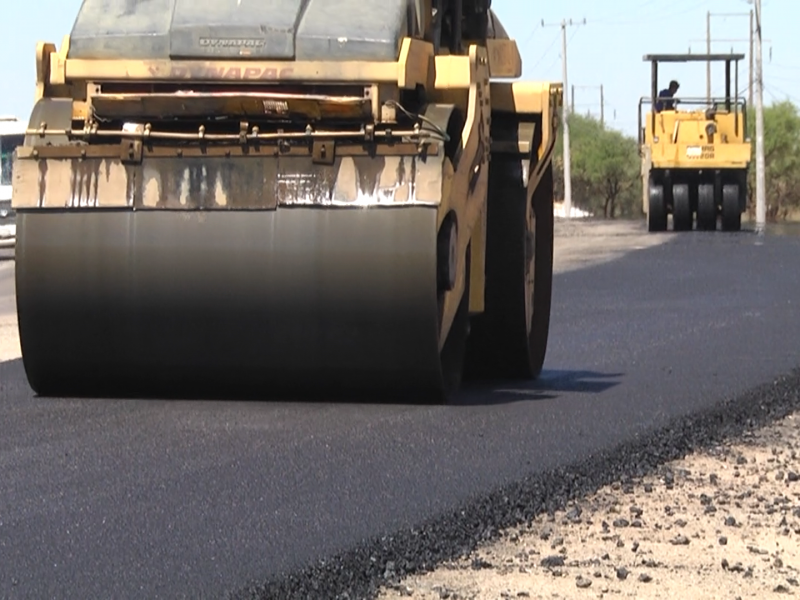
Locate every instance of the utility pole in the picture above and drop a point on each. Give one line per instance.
(756, 99)
(708, 51)
(565, 117)
(761, 183)
(752, 43)
(602, 108)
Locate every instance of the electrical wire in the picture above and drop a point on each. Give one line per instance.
(414, 116)
(547, 51)
(787, 96)
(646, 19)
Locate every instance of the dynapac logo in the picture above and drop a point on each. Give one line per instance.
(207, 42)
(177, 71)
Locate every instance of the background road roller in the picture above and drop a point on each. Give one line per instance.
(261, 198)
(695, 155)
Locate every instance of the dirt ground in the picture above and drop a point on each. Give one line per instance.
(581, 243)
(9, 340)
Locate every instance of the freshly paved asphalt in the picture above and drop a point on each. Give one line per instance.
(148, 499)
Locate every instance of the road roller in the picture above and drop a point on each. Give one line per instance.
(280, 198)
(694, 152)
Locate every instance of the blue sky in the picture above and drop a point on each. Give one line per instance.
(607, 50)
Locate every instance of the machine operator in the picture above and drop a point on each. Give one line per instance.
(665, 101)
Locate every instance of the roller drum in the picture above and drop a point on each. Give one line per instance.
(229, 303)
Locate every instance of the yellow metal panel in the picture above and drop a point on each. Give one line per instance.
(453, 72)
(689, 156)
(691, 126)
(413, 68)
(416, 65)
(43, 53)
(527, 97)
(465, 193)
(228, 70)
(696, 140)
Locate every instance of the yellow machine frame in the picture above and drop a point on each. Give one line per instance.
(113, 121)
(703, 145)
(463, 80)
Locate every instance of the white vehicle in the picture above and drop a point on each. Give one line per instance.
(12, 133)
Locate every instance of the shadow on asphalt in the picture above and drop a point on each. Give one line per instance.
(549, 385)
(590, 382)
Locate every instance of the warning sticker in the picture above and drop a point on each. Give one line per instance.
(700, 152)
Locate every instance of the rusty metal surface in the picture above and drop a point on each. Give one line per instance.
(215, 150)
(223, 104)
(228, 303)
(176, 183)
(224, 183)
(73, 183)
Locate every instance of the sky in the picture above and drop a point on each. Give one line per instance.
(607, 50)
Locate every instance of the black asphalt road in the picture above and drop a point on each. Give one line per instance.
(148, 499)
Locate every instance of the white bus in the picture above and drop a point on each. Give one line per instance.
(12, 132)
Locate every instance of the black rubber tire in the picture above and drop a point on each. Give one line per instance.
(543, 288)
(731, 213)
(509, 339)
(682, 216)
(706, 208)
(657, 208)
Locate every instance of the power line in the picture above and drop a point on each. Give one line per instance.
(626, 13)
(646, 19)
(787, 95)
(529, 39)
(749, 14)
(546, 52)
(602, 99)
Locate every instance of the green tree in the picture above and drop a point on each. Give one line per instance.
(781, 159)
(605, 169)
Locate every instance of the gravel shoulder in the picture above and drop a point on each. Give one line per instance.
(720, 523)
